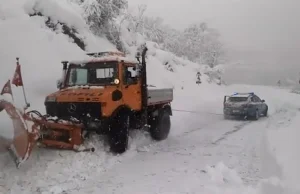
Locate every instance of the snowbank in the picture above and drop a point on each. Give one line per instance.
(283, 142)
(6, 125)
(224, 180)
(6, 128)
(40, 49)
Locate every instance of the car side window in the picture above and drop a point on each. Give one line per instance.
(253, 99)
(258, 99)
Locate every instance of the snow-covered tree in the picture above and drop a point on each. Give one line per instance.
(202, 44)
(198, 42)
(101, 15)
(136, 21)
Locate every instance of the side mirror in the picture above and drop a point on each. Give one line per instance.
(59, 84)
(263, 101)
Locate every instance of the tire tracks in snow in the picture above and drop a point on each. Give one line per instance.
(207, 129)
(236, 129)
(228, 133)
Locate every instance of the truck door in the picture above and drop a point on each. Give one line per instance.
(131, 87)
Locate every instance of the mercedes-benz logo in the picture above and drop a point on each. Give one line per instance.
(72, 108)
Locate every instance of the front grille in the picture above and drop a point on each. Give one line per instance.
(78, 110)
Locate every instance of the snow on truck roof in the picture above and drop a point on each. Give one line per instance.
(102, 57)
(236, 94)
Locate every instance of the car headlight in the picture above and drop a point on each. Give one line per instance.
(51, 99)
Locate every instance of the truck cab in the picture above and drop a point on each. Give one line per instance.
(107, 83)
(107, 87)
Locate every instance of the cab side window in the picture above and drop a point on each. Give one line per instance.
(130, 75)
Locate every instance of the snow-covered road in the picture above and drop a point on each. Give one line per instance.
(179, 165)
(203, 154)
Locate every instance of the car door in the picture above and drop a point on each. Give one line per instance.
(263, 105)
(258, 104)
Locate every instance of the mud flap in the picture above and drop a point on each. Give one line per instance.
(21, 146)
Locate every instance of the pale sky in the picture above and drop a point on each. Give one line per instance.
(264, 33)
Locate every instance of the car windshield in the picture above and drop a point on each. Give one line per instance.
(102, 73)
(238, 99)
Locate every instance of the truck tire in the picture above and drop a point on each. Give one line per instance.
(160, 125)
(119, 133)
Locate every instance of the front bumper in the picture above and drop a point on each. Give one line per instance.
(78, 110)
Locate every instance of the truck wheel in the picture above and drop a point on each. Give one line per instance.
(119, 133)
(160, 125)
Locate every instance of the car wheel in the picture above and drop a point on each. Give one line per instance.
(256, 117)
(266, 112)
(226, 117)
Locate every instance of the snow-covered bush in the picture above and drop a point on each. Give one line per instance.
(55, 19)
(214, 74)
(202, 44)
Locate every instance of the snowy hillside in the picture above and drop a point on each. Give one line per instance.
(203, 154)
(42, 49)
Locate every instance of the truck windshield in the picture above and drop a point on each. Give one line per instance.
(103, 73)
(238, 99)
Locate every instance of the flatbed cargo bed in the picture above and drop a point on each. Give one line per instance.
(158, 96)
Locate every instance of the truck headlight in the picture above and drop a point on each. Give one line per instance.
(117, 81)
(50, 99)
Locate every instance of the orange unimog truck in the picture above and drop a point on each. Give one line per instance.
(109, 95)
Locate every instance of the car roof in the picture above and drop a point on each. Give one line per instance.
(242, 94)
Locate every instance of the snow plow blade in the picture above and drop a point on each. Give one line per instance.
(21, 145)
(32, 129)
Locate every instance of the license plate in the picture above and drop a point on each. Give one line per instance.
(235, 111)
